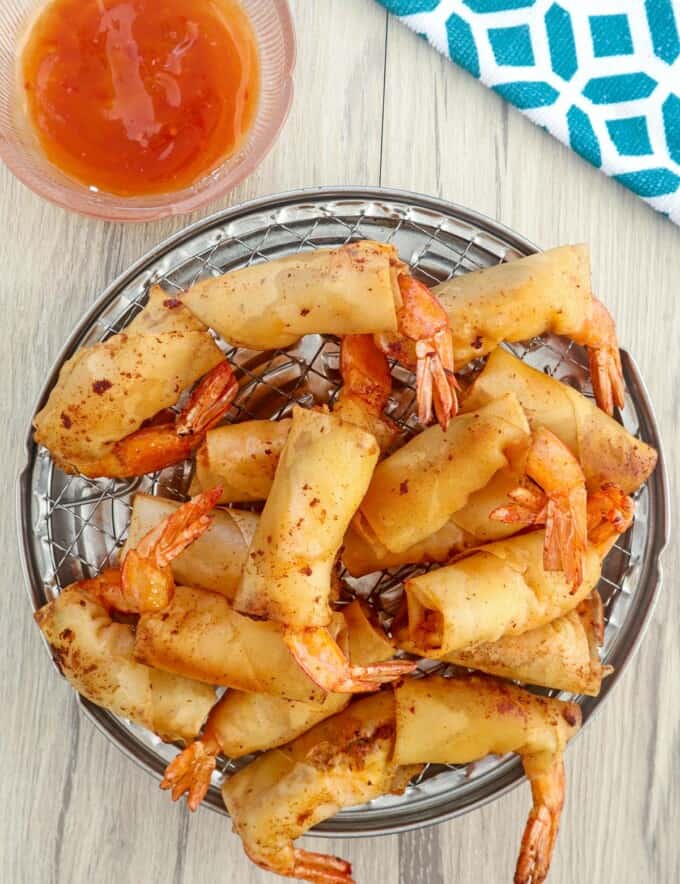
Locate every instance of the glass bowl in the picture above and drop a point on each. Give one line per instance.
(19, 147)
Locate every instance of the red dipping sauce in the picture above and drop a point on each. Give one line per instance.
(137, 97)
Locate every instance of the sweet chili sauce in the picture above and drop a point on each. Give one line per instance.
(137, 97)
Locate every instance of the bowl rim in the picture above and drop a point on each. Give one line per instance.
(60, 194)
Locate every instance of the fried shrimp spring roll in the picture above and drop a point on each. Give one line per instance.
(359, 288)
(459, 720)
(348, 290)
(145, 581)
(249, 723)
(200, 636)
(518, 300)
(242, 458)
(344, 761)
(96, 655)
(93, 420)
(322, 475)
(546, 292)
(215, 560)
(563, 655)
(505, 588)
(416, 491)
(242, 723)
(501, 589)
(606, 451)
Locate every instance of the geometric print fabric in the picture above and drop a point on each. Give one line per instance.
(603, 76)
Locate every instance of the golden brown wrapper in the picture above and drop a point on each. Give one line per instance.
(96, 656)
(363, 555)
(107, 391)
(349, 290)
(200, 636)
(606, 451)
(215, 560)
(563, 655)
(242, 458)
(518, 300)
(322, 476)
(459, 720)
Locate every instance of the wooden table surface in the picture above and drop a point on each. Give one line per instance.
(373, 105)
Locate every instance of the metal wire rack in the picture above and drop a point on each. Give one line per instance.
(72, 527)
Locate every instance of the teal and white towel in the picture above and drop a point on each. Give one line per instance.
(603, 76)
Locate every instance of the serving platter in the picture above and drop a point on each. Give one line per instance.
(72, 527)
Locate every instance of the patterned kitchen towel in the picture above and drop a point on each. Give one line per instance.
(603, 76)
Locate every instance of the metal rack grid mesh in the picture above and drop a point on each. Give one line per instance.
(79, 524)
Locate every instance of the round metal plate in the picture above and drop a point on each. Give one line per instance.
(72, 527)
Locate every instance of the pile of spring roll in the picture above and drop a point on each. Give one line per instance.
(508, 504)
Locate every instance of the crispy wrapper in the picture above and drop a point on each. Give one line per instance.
(363, 555)
(322, 476)
(107, 391)
(517, 300)
(215, 561)
(96, 656)
(563, 655)
(459, 720)
(414, 493)
(349, 290)
(606, 450)
(200, 636)
(242, 458)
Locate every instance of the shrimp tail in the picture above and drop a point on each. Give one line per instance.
(180, 529)
(209, 402)
(190, 772)
(424, 322)
(146, 578)
(540, 834)
(318, 868)
(318, 655)
(598, 335)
